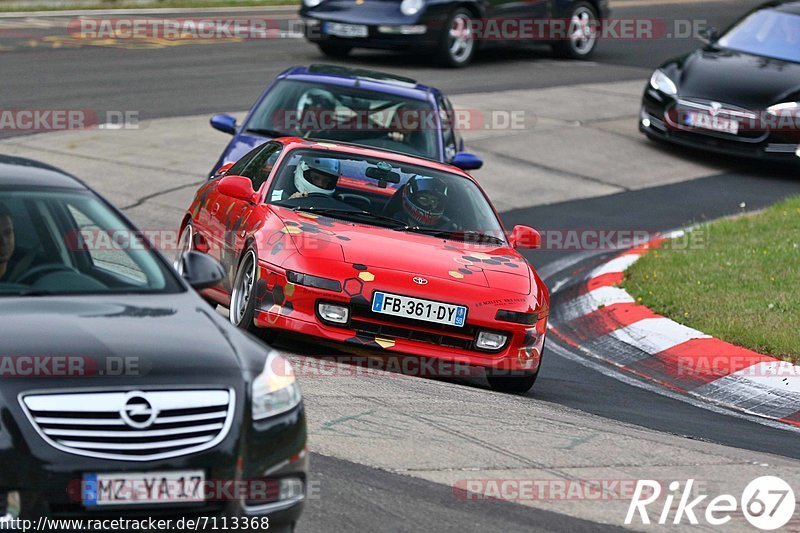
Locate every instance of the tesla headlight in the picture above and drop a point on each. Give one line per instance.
(661, 82)
(411, 7)
(777, 109)
(275, 390)
(312, 3)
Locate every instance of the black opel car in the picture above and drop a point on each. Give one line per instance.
(451, 30)
(739, 95)
(122, 393)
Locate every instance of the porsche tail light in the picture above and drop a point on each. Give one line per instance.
(317, 282)
(491, 341)
(333, 313)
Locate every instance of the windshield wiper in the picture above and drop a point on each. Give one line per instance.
(355, 213)
(268, 132)
(466, 236)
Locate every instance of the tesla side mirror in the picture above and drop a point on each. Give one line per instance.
(224, 123)
(708, 35)
(200, 270)
(237, 187)
(467, 161)
(524, 237)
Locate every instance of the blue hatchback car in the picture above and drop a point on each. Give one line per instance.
(350, 105)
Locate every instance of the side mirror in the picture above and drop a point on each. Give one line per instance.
(224, 168)
(709, 35)
(524, 237)
(224, 123)
(200, 270)
(467, 161)
(237, 187)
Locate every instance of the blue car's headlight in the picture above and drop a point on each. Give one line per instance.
(411, 7)
(661, 82)
(275, 390)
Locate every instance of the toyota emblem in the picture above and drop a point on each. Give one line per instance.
(420, 280)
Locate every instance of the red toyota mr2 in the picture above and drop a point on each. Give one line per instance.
(375, 250)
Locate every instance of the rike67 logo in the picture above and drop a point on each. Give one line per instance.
(767, 502)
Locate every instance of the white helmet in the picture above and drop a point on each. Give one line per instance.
(317, 175)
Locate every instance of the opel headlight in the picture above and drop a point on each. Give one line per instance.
(275, 390)
(411, 7)
(777, 109)
(661, 82)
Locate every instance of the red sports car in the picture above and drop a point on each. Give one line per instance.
(372, 249)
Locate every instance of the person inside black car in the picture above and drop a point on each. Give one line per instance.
(7, 244)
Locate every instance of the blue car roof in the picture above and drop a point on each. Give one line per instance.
(368, 79)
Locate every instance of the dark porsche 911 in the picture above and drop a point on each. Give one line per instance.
(451, 30)
(122, 393)
(739, 95)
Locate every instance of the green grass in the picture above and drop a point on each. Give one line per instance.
(11, 6)
(735, 279)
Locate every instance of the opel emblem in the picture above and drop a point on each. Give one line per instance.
(138, 412)
(420, 281)
(715, 107)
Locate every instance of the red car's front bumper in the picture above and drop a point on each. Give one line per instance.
(290, 307)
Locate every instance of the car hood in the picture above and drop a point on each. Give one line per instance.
(498, 267)
(746, 80)
(168, 336)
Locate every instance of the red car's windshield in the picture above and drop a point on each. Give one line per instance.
(386, 193)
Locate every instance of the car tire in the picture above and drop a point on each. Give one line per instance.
(576, 46)
(334, 50)
(457, 44)
(513, 383)
(186, 244)
(243, 293)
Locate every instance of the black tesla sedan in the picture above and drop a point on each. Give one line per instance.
(739, 94)
(451, 30)
(122, 393)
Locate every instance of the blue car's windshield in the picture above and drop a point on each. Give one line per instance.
(378, 119)
(769, 33)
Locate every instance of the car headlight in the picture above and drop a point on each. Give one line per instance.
(661, 82)
(491, 341)
(411, 7)
(777, 109)
(298, 278)
(275, 390)
(312, 3)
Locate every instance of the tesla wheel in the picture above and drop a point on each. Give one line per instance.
(243, 298)
(334, 50)
(186, 244)
(581, 38)
(457, 44)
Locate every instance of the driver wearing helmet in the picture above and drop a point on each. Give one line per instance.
(424, 200)
(316, 111)
(316, 175)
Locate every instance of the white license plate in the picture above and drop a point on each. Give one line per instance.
(338, 29)
(708, 122)
(135, 488)
(419, 309)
